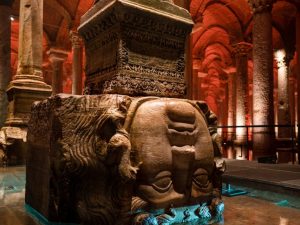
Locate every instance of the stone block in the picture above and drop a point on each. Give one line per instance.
(135, 47)
(115, 159)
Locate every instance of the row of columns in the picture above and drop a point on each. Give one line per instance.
(57, 58)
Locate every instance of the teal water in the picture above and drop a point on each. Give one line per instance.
(279, 199)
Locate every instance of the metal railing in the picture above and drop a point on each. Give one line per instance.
(229, 139)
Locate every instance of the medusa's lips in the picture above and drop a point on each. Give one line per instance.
(181, 134)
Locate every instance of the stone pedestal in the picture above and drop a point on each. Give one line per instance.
(135, 47)
(5, 71)
(57, 57)
(263, 105)
(76, 63)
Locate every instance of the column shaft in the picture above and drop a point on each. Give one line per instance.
(263, 105)
(241, 51)
(298, 71)
(5, 70)
(231, 105)
(30, 55)
(57, 58)
(77, 63)
(283, 109)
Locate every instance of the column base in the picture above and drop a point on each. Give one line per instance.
(263, 144)
(21, 94)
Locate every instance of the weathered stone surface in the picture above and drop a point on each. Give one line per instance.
(28, 85)
(241, 51)
(135, 47)
(115, 159)
(263, 104)
(57, 57)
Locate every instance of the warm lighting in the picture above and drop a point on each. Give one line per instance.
(12, 18)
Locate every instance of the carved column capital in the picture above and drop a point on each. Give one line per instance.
(75, 38)
(259, 6)
(242, 48)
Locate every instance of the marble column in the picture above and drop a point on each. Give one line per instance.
(263, 105)
(241, 51)
(28, 85)
(57, 57)
(283, 108)
(77, 63)
(5, 67)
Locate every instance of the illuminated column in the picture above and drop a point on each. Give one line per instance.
(241, 51)
(283, 109)
(263, 105)
(5, 70)
(57, 58)
(28, 84)
(231, 104)
(77, 63)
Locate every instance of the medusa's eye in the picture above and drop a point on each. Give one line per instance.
(162, 182)
(200, 178)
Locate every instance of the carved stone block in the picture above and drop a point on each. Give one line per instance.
(117, 160)
(135, 47)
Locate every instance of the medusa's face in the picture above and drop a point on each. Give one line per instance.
(171, 139)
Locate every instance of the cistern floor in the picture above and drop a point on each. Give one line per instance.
(239, 210)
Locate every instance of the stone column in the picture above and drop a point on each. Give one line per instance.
(5, 70)
(28, 85)
(241, 51)
(298, 72)
(231, 105)
(263, 105)
(77, 63)
(283, 110)
(57, 58)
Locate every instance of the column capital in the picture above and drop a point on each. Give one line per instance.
(259, 6)
(241, 48)
(57, 55)
(75, 39)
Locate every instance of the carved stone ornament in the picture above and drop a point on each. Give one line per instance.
(117, 160)
(135, 47)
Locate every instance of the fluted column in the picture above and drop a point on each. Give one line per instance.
(263, 104)
(241, 51)
(77, 63)
(57, 58)
(5, 70)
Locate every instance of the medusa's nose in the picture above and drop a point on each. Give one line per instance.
(182, 161)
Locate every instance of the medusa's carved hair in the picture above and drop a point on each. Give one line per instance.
(93, 171)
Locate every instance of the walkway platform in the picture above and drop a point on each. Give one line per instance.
(280, 178)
